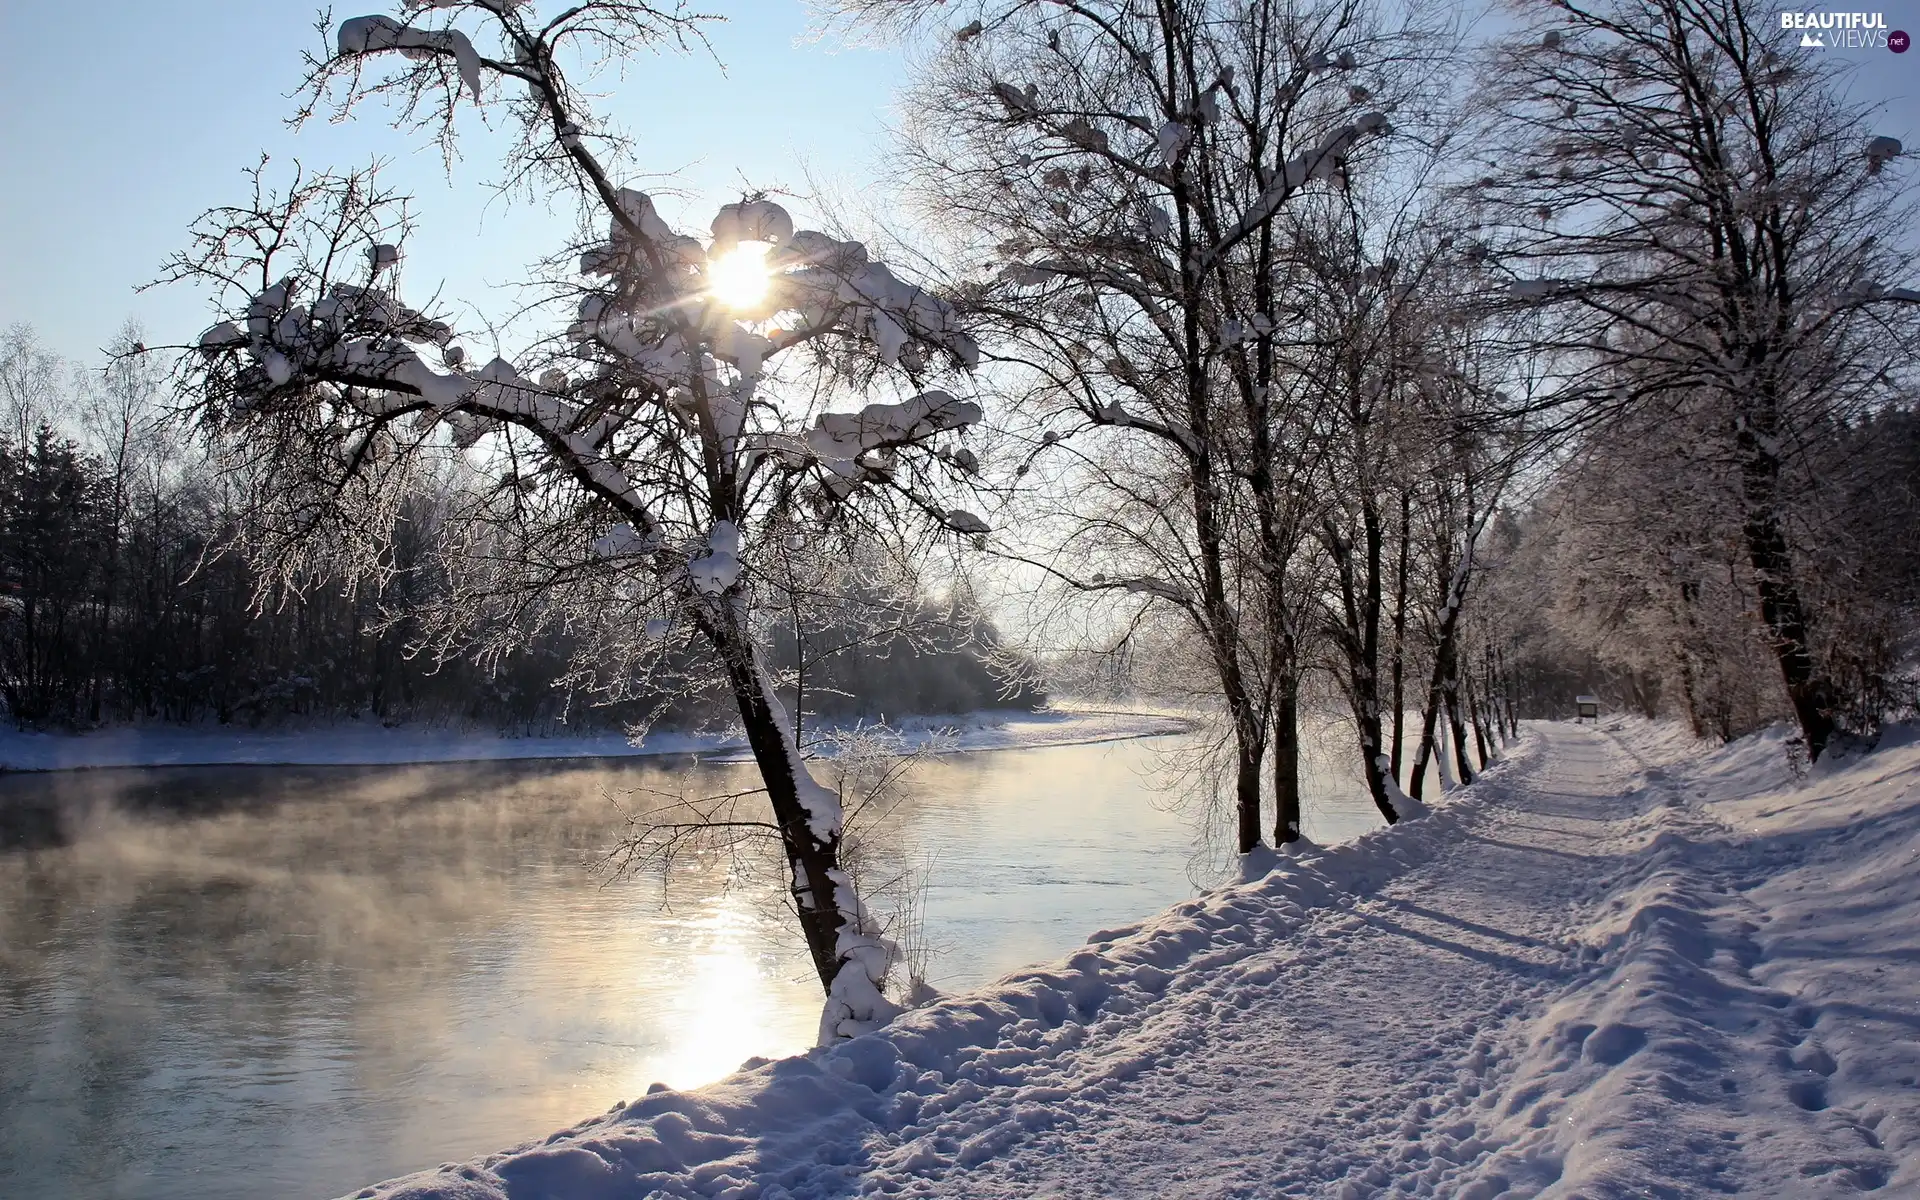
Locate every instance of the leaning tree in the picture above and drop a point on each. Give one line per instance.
(651, 463)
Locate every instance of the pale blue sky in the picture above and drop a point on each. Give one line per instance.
(124, 119)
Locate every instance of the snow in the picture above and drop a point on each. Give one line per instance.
(1326, 161)
(1173, 139)
(1536, 289)
(719, 569)
(1443, 756)
(369, 35)
(622, 540)
(1020, 102)
(1620, 964)
(1148, 585)
(637, 207)
(366, 333)
(965, 522)
(856, 1002)
(751, 221)
(839, 439)
(225, 334)
(358, 744)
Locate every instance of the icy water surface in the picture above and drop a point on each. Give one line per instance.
(243, 981)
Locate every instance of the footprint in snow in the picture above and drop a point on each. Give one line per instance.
(1809, 1094)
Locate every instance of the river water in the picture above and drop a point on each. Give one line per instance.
(245, 981)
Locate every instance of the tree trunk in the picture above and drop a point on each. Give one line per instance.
(1506, 693)
(1478, 717)
(1780, 602)
(1400, 628)
(1249, 732)
(1689, 669)
(1220, 624)
(1246, 793)
(1359, 641)
(1457, 730)
(813, 860)
(1781, 608)
(1490, 700)
(1363, 605)
(1380, 784)
(1249, 741)
(1286, 760)
(1430, 713)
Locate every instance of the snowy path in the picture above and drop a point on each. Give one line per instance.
(1286, 1075)
(1618, 966)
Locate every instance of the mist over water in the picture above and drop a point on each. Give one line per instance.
(226, 982)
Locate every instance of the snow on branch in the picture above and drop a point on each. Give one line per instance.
(828, 285)
(363, 348)
(1159, 588)
(1324, 162)
(681, 363)
(370, 35)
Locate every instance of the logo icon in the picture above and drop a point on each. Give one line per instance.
(1813, 41)
(1898, 41)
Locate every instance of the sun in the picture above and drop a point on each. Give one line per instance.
(739, 277)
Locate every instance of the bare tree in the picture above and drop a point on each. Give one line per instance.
(1388, 347)
(1126, 169)
(120, 411)
(32, 382)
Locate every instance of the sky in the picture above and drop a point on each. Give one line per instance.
(125, 119)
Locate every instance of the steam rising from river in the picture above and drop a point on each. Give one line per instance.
(312, 978)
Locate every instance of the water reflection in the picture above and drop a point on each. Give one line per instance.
(241, 981)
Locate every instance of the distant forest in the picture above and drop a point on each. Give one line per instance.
(118, 605)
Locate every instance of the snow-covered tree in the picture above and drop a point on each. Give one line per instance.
(1631, 560)
(653, 461)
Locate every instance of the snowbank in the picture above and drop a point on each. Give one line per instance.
(360, 744)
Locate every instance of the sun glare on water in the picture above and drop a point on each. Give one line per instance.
(738, 278)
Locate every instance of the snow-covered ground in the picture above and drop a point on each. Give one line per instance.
(1621, 965)
(361, 744)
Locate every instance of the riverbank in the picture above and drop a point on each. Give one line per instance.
(366, 744)
(1624, 963)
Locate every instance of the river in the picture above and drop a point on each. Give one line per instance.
(225, 982)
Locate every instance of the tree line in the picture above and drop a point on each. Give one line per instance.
(121, 600)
